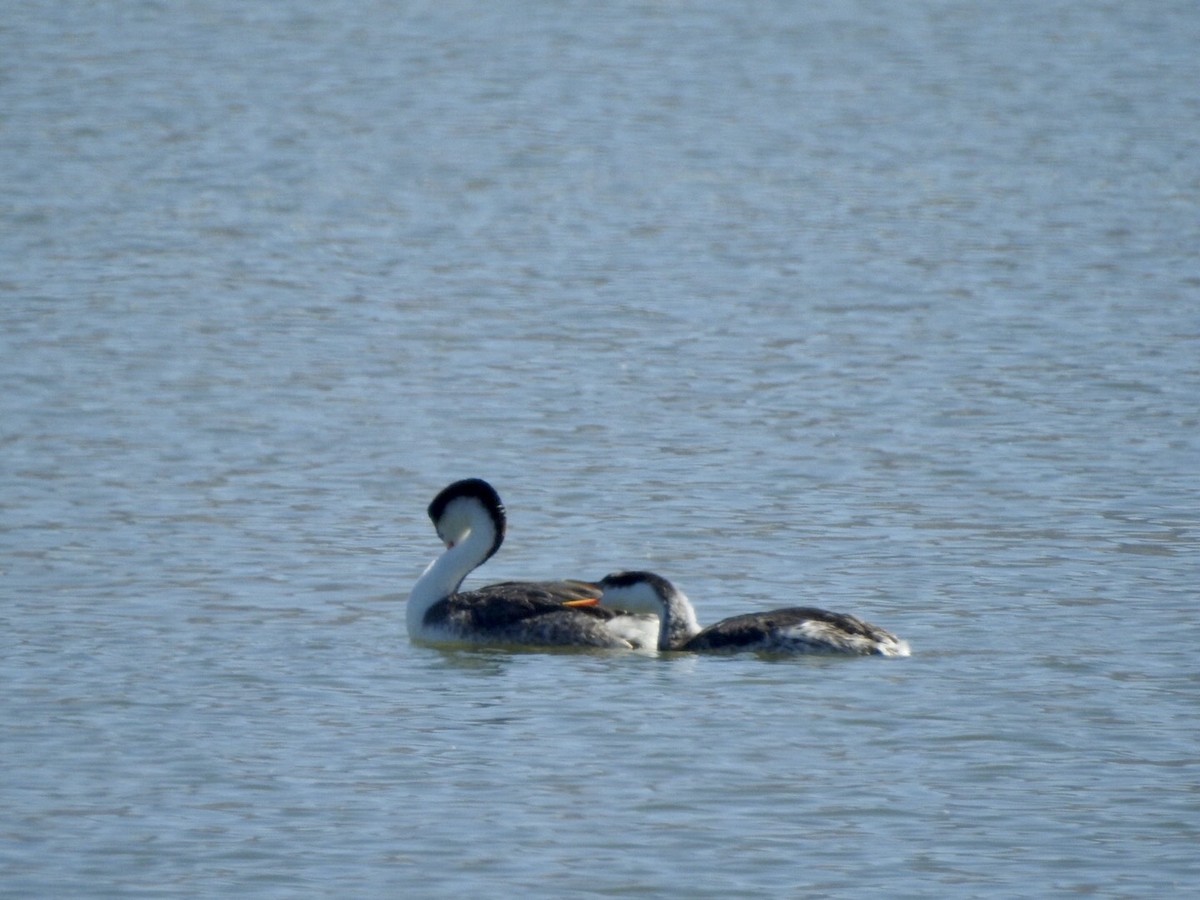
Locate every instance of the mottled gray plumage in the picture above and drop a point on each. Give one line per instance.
(470, 519)
(797, 629)
(527, 613)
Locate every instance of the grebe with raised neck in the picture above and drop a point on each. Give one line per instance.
(793, 630)
(470, 520)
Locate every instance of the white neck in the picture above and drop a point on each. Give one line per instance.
(677, 623)
(444, 575)
(654, 595)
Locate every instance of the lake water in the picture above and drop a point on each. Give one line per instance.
(892, 309)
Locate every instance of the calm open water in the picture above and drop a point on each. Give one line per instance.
(890, 308)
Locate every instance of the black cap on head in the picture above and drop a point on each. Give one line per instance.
(471, 488)
(628, 579)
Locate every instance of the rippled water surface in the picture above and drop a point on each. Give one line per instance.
(889, 309)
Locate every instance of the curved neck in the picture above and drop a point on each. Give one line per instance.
(677, 623)
(444, 575)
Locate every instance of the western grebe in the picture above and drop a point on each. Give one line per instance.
(469, 518)
(796, 629)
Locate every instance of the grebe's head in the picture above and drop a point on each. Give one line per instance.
(639, 592)
(464, 506)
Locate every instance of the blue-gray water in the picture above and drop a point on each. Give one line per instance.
(889, 308)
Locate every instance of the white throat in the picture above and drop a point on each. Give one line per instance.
(444, 575)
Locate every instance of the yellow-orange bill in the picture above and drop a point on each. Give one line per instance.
(587, 601)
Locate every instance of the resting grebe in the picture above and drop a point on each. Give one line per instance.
(470, 520)
(796, 629)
